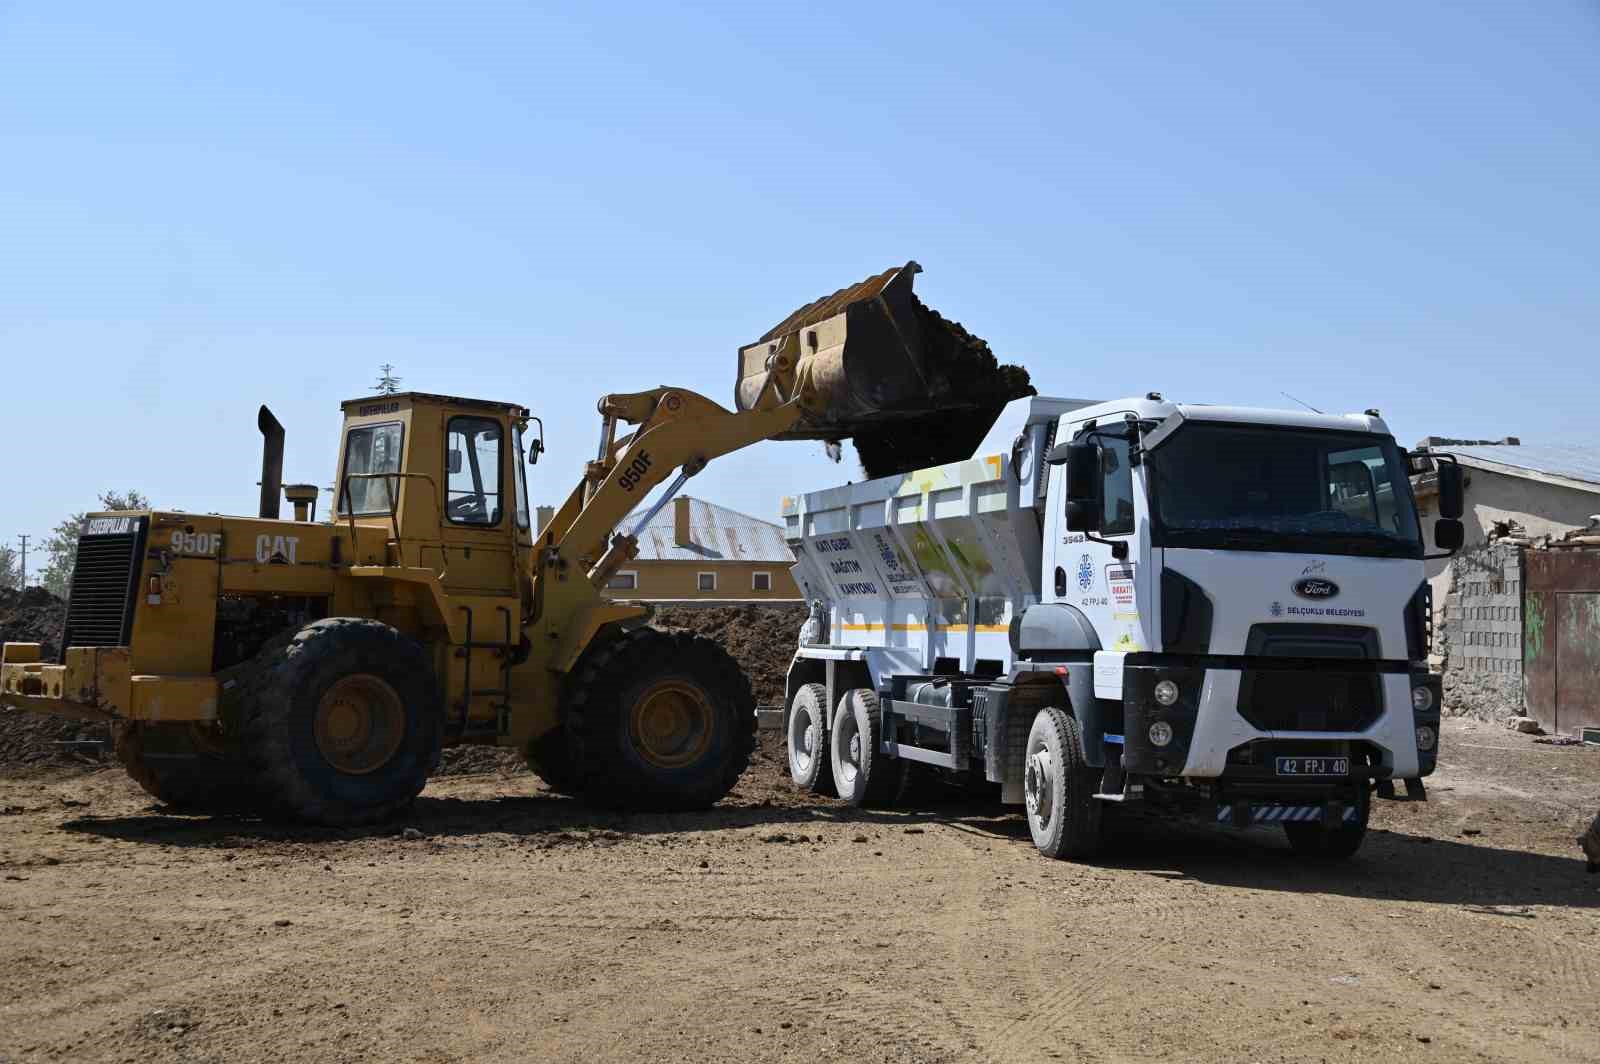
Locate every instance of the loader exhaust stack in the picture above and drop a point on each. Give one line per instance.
(271, 461)
(873, 363)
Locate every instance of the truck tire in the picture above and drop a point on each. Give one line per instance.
(550, 758)
(1058, 788)
(1317, 842)
(805, 738)
(862, 773)
(177, 770)
(344, 726)
(660, 721)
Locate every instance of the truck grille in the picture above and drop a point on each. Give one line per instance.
(100, 604)
(1303, 694)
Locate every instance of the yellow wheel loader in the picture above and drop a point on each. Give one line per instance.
(314, 669)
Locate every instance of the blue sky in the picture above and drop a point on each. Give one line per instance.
(204, 207)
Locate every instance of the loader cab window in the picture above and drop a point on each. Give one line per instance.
(521, 484)
(371, 449)
(472, 457)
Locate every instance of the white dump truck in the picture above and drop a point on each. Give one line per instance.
(1202, 609)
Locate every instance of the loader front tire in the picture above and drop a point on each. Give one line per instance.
(180, 769)
(660, 721)
(344, 726)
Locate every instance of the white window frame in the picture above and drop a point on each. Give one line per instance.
(699, 587)
(634, 573)
(756, 576)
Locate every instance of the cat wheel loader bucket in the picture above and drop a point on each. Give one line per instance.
(873, 363)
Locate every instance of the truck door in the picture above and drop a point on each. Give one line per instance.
(478, 505)
(1085, 571)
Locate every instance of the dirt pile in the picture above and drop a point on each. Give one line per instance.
(26, 740)
(975, 377)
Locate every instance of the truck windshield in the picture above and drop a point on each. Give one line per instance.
(1243, 487)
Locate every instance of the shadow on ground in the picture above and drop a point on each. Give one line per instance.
(1392, 865)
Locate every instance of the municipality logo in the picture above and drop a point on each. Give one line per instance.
(1085, 573)
(1276, 609)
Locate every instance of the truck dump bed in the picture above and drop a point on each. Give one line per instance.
(934, 563)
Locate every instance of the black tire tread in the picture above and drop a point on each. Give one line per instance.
(822, 779)
(604, 677)
(266, 744)
(204, 782)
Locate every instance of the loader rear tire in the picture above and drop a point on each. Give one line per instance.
(863, 774)
(660, 721)
(550, 758)
(345, 725)
(177, 770)
(805, 740)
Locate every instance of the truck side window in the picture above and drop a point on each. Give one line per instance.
(1118, 472)
(472, 496)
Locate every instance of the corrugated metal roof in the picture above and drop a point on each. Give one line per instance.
(718, 534)
(1571, 461)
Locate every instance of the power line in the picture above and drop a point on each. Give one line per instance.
(22, 583)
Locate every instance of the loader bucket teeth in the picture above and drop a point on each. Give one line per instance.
(873, 356)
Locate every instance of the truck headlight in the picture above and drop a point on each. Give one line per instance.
(1422, 699)
(1160, 732)
(1426, 737)
(1166, 693)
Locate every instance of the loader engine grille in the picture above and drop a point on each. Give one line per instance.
(100, 604)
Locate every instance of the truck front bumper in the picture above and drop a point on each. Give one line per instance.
(1211, 738)
(98, 683)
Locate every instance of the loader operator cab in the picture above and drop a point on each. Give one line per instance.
(446, 475)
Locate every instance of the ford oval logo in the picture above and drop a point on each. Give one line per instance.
(1316, 588)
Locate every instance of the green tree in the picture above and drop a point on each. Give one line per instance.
(10, 569)
(61, 545)
(388, 383)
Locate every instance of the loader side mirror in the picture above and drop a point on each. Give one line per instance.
(536, 444)
(454, 462)
(1452, 493)
(1449, 534)
(1085, 485)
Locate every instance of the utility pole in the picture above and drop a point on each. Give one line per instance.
(22, 582)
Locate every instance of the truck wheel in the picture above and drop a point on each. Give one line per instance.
(810, 763)
(1058, 788)
(180, 769)
(344, 725)
(1313, 840)
(661, 721)
(862, 773)
(550, 758)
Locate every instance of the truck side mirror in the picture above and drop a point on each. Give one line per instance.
(453, 464)
(1449, 533)
(536, 444)
(1452, 496)
(1085, 485)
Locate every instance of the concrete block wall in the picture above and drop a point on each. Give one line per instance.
(1482, 633)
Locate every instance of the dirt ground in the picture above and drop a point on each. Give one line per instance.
(510, 925)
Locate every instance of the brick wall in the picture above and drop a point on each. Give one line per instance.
(1482, 633)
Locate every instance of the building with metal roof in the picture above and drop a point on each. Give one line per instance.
(1515, 492)
(694, 551)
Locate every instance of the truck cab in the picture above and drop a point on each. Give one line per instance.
(1204, 609)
